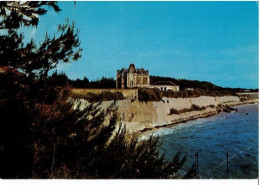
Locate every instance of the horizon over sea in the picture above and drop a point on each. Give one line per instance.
(235, 133)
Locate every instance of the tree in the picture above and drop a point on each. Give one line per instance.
(21, 94)
(43, 135)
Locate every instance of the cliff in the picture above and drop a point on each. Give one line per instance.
(140, 116)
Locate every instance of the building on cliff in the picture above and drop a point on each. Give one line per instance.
(165, 86)
(132, 77)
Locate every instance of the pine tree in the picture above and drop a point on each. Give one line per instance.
(43, 135)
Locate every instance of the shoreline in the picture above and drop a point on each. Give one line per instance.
(142, 117)
(185, 119)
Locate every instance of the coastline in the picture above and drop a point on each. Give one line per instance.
(142, 117)
(135, 128)
(194, 115)
(235, 133)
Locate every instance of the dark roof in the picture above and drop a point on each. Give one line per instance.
(131, 65)
(164, 83)
(138, 71)
(122, 71)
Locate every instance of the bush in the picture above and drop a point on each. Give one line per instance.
(147, 94)
(192, 108)
(104, 96)
(196, 107)
(155, 94)
(174, 111)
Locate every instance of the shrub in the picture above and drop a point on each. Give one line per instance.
(174, 111)
(196, 107)
(147, 94)
(192, 108)
(104, 96)
(196, 93)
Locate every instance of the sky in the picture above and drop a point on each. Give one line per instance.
(206, 41)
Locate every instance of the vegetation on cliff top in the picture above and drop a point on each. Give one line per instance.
(154, 94)
(104, 96)
(183, 84)
(195, 84)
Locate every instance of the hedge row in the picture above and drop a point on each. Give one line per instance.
(104, 96)
(148, 94)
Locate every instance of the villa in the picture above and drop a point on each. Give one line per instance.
(134, 78)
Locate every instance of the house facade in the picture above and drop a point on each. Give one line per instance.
(132, 77)
(165, 86)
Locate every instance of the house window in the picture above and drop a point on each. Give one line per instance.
(165, 89)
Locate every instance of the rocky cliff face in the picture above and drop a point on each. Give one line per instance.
(140, 115)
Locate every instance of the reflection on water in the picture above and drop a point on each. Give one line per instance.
(212, 138)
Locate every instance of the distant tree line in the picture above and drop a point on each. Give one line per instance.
(195, 84)
(62, 80)
(145, 94)
(104, 96)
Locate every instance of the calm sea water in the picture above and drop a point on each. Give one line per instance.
(235, 133)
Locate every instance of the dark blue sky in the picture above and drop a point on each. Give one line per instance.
(209, 41)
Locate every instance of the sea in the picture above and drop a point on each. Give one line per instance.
(226, 144)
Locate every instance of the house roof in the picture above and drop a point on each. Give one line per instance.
(164, 83)
(135, 70)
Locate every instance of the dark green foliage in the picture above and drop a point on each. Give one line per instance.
(103, 83)
(196, 107)
(33, 59)
(147, 94)
(70, 142)
(104, 96)
(174, 111)
(186, 83)
(200, 92)
(139, 159)
(58, 79)
(203, 88)
(80, 83)
(16, 14)
(85, 83)
(193, 108)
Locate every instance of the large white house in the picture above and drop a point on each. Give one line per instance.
(165, 86)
